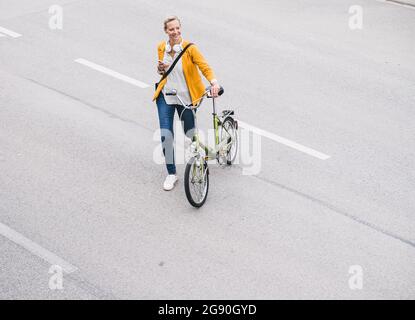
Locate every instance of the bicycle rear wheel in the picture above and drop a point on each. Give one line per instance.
(229, 132)
(196, 181)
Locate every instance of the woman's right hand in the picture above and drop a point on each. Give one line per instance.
(161, 67)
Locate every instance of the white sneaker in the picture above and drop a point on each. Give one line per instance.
(170, 181)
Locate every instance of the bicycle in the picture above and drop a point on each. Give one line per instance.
(196, 176)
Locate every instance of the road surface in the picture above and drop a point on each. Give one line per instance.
(80, 187)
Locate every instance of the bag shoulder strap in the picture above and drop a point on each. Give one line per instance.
(175, 61)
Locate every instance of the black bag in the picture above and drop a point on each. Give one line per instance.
(172, 66)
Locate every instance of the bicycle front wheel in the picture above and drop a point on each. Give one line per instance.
(196, 181)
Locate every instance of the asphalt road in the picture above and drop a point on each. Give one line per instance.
(79, 185)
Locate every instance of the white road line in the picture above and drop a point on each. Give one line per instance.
(261, 132)
(9, 33)
(398, 3)
(284, 141)
(34, 248)
(112, 73)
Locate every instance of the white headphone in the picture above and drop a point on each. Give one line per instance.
(176, 47)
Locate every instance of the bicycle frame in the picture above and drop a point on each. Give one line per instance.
(210, 153)
(196, 175)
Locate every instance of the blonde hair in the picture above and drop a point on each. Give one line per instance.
(170, 19)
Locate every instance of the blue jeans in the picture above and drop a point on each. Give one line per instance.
(166, 117)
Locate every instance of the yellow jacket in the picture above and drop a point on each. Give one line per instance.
(192, 59)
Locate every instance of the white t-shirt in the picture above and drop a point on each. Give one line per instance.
(176, 80)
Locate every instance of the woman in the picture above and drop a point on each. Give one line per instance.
(186, 80)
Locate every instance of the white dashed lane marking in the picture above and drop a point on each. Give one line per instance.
(270, 135)
(284, 141)
(36, 249)
(6, 32)
(112, 73)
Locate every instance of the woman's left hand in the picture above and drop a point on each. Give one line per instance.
(214, 89)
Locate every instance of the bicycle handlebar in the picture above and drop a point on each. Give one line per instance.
(206, 94)
(221, 90)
